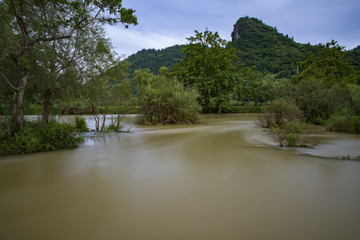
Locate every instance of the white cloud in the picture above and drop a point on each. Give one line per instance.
(129, 41)
(163, 23)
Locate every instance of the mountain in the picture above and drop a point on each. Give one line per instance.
(268, 50)
(259, 45)
(154, 59)
(355, 55)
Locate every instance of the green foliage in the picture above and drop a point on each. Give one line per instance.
(285, 120)
(326, 86)
(279, 111)
(354, 91)
(268, 50)
(331, 66)
(162, 99)
(314, 99)
(5, 126)
(80, 124)
(208, 66)
(56, 135)
(343, 123)
(58, 49)
(34, 137)
(154, 59)
(289, 133)
(355, 56)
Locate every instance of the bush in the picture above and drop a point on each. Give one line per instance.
(163, 100)
(57, 135)
(285, 121)
(80, 124)
(343, 123)
(279, 111)
(34, 137)
(5, 126)
(290, 133)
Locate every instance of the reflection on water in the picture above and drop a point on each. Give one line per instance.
(220, 180)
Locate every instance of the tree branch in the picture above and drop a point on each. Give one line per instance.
(49, 39)
(16, 89)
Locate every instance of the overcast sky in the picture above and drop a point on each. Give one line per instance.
(164, 23)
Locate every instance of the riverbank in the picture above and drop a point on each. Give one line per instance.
(326, 144)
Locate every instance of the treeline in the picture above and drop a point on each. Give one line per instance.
(65, 64)
(155, 59)
(258, 45)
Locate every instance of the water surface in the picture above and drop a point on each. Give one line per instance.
(225, 179)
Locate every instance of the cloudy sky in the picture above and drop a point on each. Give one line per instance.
(163, 23)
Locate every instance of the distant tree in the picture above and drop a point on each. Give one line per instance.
(154, 59)
(331, 66)
(321, 88)
(208, 65)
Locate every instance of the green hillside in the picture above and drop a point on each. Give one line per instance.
(268, 50)
(259, 45)
(154, 59)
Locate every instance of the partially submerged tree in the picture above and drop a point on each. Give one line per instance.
(41, 21)
(162, 99)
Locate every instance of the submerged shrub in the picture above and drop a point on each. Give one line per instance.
(163, 100)
(80, 124)
(279, 111)
(57, 135)
(34, 137)
(285, 121)
(290, 133)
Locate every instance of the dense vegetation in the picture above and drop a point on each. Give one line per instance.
(162, 99)
(284, 118)
(48, 49)
(268, 50)
(65, 64)
(155, 59)
(35, 137)
(258, 45)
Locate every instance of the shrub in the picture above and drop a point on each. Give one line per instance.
(285, 121)
(80, 124)
(343, 123)
(35, 137)
(57, 135)
(163, 100)
(290, 133)
(278, 111)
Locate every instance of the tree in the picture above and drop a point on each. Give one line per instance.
(208, 65)
(162, 99)
(69, 63)
(29, 22)
(331, 66)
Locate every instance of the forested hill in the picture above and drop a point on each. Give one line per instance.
(268, 50)
(259, 45)
(154, 59)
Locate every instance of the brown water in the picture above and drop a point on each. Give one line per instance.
(221, 180)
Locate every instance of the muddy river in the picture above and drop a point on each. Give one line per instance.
(223, 179)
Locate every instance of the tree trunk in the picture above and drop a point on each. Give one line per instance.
(18, 105)
(46, 106)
